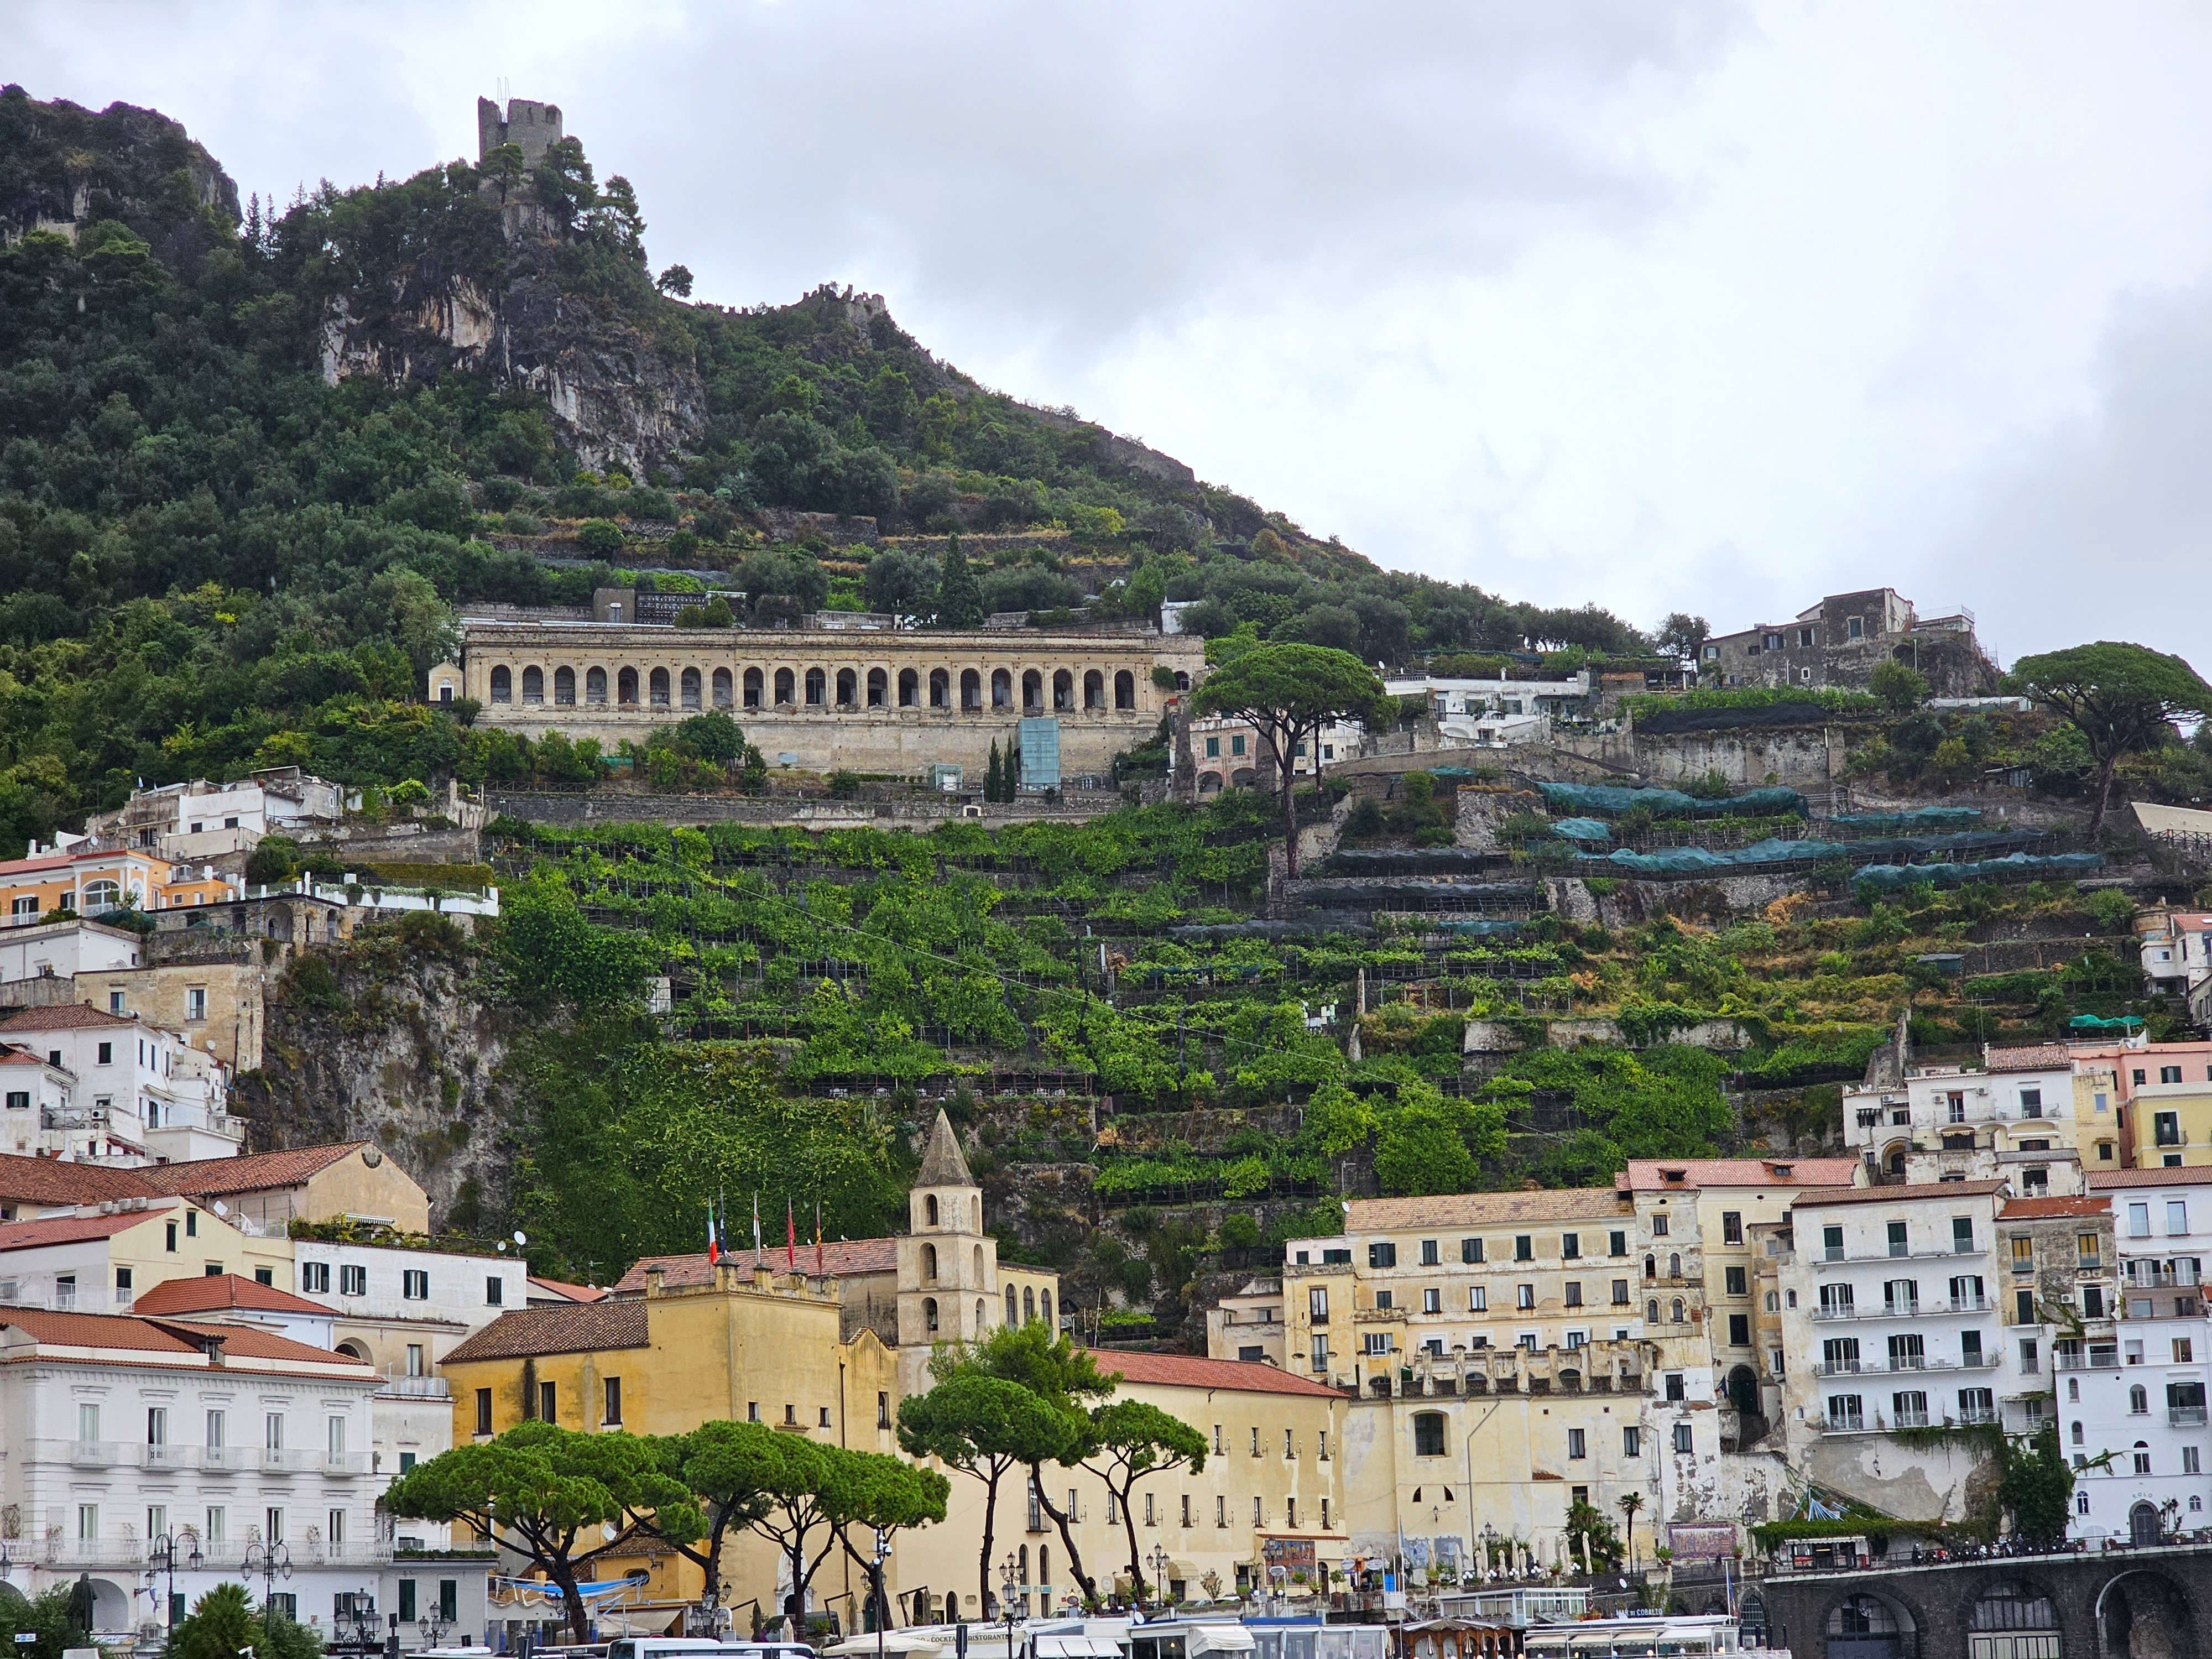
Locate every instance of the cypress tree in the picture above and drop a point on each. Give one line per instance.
(959, 597)
(991, 776)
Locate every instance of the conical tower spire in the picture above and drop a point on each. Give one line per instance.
(943, 1165)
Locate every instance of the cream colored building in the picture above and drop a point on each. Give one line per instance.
(218, 1007)
(103, 1259)
(1248, 1325)
(869, 700)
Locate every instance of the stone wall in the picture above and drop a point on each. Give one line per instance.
(783, 812)
(1803, 757)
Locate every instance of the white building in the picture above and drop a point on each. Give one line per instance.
(1494, 713)
(137, 1094)
(35, 1092)
(63, 949)
(187, 822)
(2176, 949)
(2013, 1120)
(2137, 1400)
(122, 1430)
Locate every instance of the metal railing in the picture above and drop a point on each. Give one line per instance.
(2185, 1416)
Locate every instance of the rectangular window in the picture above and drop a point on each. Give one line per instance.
(1616, 1243)
(1185, 1509)
(169, 1236)
(1843, 1411)
(196, 1002)
(1317, 1305)
(1685, 1439)
(106, 1054)
(214, 1425)
(1256, 1441)
(1676, 1390)
(88, 1522)
(1385, 1299)
(610, 1412)
(273, 1432)
(1429, 1257)
(1575, 1443)
(1620, 1292)
(407, 1600)
(1213, 748)
(353, 1280)
(2030, 1363)
(1731, 1227)
(494, 1290)
(484, 1411)
(1632, 1441)
(1433, 1301)
(1897, 1244)
(1381, 1255)
(1738, 1282)
(315, 1278)
(157, 1425)
(415, 1284)
(272, 1525)
(449, 1599)
(2139, 1221)
(1524, 1296)
(2031, 1103)
(2023, 1311)
(334, 1527)
(2177, 1217)
(218, 1523)
(1318, 1356)
(546, 1400)
(1659, 1227)
(1470, 1250)
(1571, 1246)
(1739, 1330)
(1524, 1247)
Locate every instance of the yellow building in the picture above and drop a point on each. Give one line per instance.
(2169, 1125)
(102, 1263)
(89, 881)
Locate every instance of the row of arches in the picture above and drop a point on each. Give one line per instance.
(1031, 1306)
(1036, 691)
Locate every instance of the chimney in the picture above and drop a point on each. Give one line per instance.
(656, 1280)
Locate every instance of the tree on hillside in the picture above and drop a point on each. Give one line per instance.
(1681, 634)
(543, 1492)
(1899, 684)
(2122, 698)
(1063, 1376)
(1135, 1441)
(959, 596)
(982, 1425)
(1289, 692)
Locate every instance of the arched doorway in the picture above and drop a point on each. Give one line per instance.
(1867, 1626)
(2142, 1525)
(1744, 1391)
(2145, 1614)
(2012, 1620)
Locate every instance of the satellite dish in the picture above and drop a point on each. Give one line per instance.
(503, 1245)
(607, 1531)
(222, 1208)
(519, 1238)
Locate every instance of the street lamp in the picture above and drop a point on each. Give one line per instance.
(881, 1553)
(363, 1615)
(1160, 1560)
(162, 1559)
(272, 1562)
(1009, 1576)
(433, 1625)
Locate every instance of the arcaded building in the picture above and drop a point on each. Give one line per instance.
(865, 699)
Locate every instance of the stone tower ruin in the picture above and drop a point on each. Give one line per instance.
(533, 125)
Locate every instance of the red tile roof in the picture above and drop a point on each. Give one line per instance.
(1184, 1370)
(212, 1290)
(59, 1181)
(2037, 1057)
(1369, 1215)
(2029, 1209)
(253, 1173)
(1942, 1190)
(75, 1229)
(842, 1258)
(141, 1335)
(576, 1327)
(11, 1055)
(1649, 1175)
(64, 1017)
(562, 1288)
(2178, 1175)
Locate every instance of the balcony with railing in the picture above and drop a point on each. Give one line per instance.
(1880, 1366)
(2185, 1416)
(2096, 1359)
(436, 1388)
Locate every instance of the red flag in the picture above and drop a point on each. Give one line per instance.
(790, 1240)
(714, 1244)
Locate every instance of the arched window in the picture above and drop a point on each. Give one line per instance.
(909, 683)
(626, 687)
(1063, 691)
(1209, 783)
(1011, 1316)
(1182, 681)
(564, 686)
(1002, 688)
(940, 688)
(2077, 1433)
(783, 688)
(980, 1306)
(595, 686)
(979, 1264)
(533, 685)
(1094, 690)
(1032, 692)
(817, 687)
(101, 895)
(929, 1312)
(1678, 1311)
(724, 689)
(752, 687)
(1125, 691)
(929, 1209)
(2138, 1400)
(971, 688)
(656, 687)
(1651, 1266)
(847, 682)
(2012, 1606)
(1044, 1306)
(1675, 1265)
(1029, 1305)
(929, 1264)
(1651, 1310)
(690, 687)
(1428, 1434)
(878, 693)
(502, 684)
(1863, 1616)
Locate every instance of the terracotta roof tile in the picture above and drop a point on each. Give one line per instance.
(2036, 1057)
(1647, 1175)
(129, 1333)
(841, 1258)
(577, 1328)
(64, 1017)
(562, 1288)
(2179, 1174)
(59, 1181)
(211, 1292)
(75, 1229)
(253, 1172)
(1372, 1215)
(2030, 1209)
(1183, 1370)
(1906, 1195)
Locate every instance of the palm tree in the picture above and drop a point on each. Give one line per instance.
(1630, 1503)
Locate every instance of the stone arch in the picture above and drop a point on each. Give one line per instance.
(753, 688)
(564, 686)
(1743, 1390)
(929, 1264)
(971, 688)
(1869, 1624)
(724, 688)
(1011, 1316)
(929, 1209)
(626, 688)
(355, 1346)
(1651, 1311)
(785, 696)
(111, 1606)
(1032, 691)
(940, 688)
(656, 685)
(534, 684)
(689, 687)
(595, 686)
(847, 689)
(909, 688)
(878, 689)
(1209, 783)
(2143, 1528)
(980, 1314)
(1242, 778)
(1125, 689)
(502, 684)
(1029, 1305)
(1094, 689)
(1002, 688)
(1675, 1265)
(1182, 681)
(929, 1314)
(1063, 691)
(1651, 1266)
(818, 688)
(2143, 1611)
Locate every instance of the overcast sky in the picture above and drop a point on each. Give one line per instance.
(1708, 308)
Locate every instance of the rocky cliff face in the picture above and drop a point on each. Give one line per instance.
(66, 166)
(410, 1058)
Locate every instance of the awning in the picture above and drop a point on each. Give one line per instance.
(640, 1621)
(1220, 1638)
(1077, 1647)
